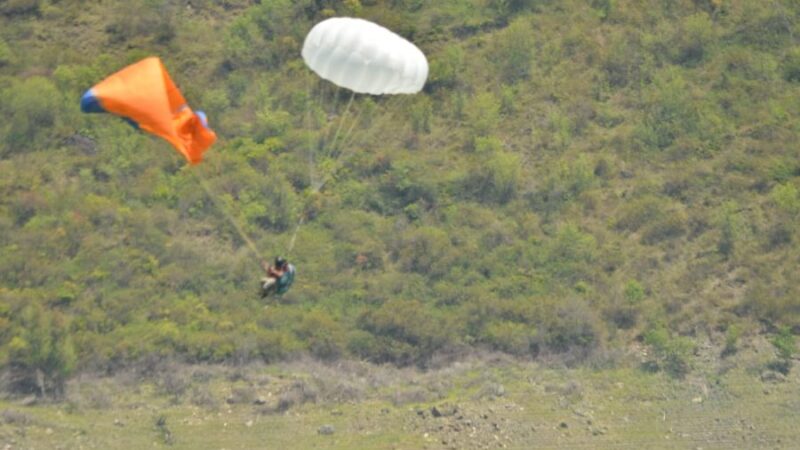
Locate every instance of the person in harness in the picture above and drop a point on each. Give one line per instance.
(279, 277)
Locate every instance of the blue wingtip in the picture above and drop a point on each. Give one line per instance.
(203, 118)
(90, 103)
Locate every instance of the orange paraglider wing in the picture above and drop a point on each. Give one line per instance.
(144, 94)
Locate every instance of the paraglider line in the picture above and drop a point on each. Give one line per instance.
(342, 120)
(294, 236)
(346, 138)
(231, 219)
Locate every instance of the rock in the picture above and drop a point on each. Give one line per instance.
(248, 424)
(443, 411)
(563, 425)
(770, 376)
(87, 145)
(326, 430)
(260, 400)
(118, 423)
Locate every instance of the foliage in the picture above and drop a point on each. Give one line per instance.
(786, 346)
(672, 354)
(41, 355)
(574, 174)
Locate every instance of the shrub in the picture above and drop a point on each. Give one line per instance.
(447, 69)
(421, 250)
(32, 109)
(734, 230)
(786, 346)
(421, 115)
(483, 114)
(674, 114)
(670, 225)
(732, 335)
(791, 65)
(6, 55)
(406, 333)
(787, 197)
(41, 356)
(142, 18)
(569, 255)
(510, 337)
(324, 336)
(11, 7)
(626, 61)
(693, 40)
(513, 51)
(634, 292)
(567, 180)
(498, 176)
(570, 328)
(672, 353)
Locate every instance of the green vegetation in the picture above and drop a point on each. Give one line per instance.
(576, 176)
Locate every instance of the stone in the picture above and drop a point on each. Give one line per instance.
(326, 430)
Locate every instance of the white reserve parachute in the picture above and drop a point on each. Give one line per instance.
(364, 57)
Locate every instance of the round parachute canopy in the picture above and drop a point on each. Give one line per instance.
(364, 57)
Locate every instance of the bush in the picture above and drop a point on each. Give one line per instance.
(41, 355)
(498, 176)
(142, 18)
(11, 7)
(570, 255)
(513, 50)
(672, 353)
(447, 70)
(786, 346)
(566, 181)
(693, 40)
(6, 55)
(734, 230)
(483, 114)
(674, 115)
(670, 225)
(791, 66)
(32, 109)
(510, 337)
(626, 61)
(406, 332)
(787, 197)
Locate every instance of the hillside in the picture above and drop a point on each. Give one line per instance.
(577, 177)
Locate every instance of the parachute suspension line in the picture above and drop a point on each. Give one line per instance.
(348, 141)
(314, 181)
(346, 138)
(341, 121)
(231, 218)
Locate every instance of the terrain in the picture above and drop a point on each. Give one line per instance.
(589, 214)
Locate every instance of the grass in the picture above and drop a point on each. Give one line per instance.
(483, 402)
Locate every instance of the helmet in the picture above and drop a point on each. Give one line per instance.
(280, 261)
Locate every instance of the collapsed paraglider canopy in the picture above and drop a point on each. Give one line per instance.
(144, 94)
(364, 57)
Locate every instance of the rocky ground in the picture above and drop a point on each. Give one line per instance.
(485, 402)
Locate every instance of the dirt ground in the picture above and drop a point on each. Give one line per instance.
(486, 402)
